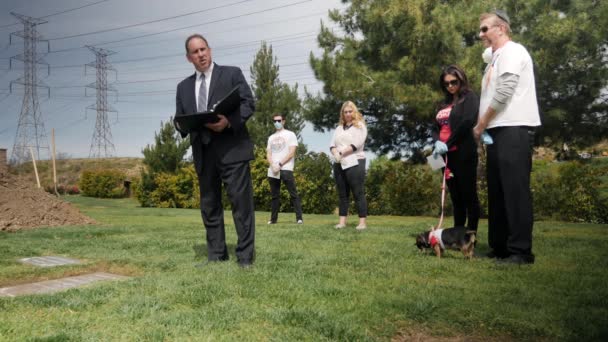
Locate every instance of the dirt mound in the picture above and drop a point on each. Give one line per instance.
(23, 206)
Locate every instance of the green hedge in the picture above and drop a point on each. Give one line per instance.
(168, 190)
(570, 191)
(313, 180)
(102, 183)
(399, 188)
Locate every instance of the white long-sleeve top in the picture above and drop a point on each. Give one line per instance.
(352, 135)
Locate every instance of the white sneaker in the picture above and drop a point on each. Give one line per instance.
(270, 222)
(339, 226)
(300, 222)
(361, 227)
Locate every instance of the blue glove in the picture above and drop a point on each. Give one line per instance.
(486, 138)
(440, 148)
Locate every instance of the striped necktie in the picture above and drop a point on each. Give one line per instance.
(202, 95)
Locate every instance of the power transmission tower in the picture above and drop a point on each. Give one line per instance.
(101, 144)
(30, 131)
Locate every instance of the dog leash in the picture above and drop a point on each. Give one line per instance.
(443, 193)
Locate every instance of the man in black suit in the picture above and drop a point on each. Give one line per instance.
(221, 150)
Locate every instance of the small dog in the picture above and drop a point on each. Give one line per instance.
(457, 238)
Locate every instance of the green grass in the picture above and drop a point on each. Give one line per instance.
(310, 282)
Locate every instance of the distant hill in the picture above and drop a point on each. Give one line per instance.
(69, 170)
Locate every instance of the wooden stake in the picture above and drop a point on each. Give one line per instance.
(35, 169)
(53, 157)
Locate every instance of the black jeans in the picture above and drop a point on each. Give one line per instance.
(510, 218)
(463, 190)
(275, 190)
(351, 179)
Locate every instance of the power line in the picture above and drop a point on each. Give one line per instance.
(207, 23)
(283, 38)
(147, 22)
(73, 9)
(57, 13)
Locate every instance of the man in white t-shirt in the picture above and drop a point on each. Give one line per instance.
(280, 153)
(508, 110)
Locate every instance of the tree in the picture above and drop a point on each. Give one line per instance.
(389, 57)
(272, 96)
(167, 154)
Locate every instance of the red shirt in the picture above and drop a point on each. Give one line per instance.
(442, 118)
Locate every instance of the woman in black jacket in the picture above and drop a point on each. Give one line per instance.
(453, 133)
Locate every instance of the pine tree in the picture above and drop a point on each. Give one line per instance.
(168, 151)
(272, 96)
(389, 54)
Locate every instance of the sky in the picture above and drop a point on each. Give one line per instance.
(147, 41)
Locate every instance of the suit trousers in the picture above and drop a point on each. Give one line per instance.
(510, 215)
(351, 179)
(275, 191)
(236, 178)
(463, 189)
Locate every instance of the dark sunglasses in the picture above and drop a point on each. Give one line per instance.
(485, 29)
(279, 120)
(451, 83)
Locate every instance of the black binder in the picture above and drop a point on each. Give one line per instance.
(187, 123)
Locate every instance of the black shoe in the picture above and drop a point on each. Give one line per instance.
(245, 263)
(517, 259)
(496, 255)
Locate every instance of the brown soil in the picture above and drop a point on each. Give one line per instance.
(24, 206)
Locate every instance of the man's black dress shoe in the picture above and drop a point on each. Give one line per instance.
(517, 259)
(496, 255)
(245, 264)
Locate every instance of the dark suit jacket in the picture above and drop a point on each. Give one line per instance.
(233, 144)
(463, 118)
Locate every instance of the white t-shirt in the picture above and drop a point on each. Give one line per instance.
(279, 143)
(522, 108)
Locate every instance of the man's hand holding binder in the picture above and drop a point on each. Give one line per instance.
(220, 125)
(213, 119)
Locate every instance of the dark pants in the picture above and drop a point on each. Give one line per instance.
(509, 165)
(351, 179)
(463, 190)
(275, 191)
(236, 178)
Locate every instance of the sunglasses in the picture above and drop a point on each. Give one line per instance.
(279, 120)
(451, 83)
(485, 29)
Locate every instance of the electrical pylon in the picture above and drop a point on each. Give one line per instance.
(101, 144)
(30, 131)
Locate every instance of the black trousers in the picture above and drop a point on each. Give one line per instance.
(275, 191)
(236, 178)
(463, 190)
(351, 179)
(510, 212)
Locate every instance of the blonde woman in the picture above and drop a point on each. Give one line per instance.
(347, 148)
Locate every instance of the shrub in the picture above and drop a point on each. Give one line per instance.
(104, 183)
(62, 189)
(315, 183)
(569, 191)
(400, 188)
(176, 190)
(313, 178)
(143, 187)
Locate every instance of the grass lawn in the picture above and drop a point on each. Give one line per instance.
(310, 282)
